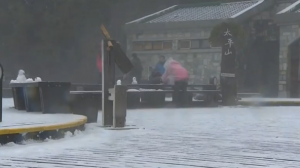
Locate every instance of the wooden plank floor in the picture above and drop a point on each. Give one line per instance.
(21, 120)
(265, 137)
(13, 119)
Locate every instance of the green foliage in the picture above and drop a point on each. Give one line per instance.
(236, 30)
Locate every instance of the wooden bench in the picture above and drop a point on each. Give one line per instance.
(86, 103)
(48, 97)
(157, 97)
(85, 87)
(154, 95)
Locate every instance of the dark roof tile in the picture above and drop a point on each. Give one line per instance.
(295, 7)
(205, 12)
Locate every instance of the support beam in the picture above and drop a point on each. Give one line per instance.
(107, 82)
(1, 89)
(120, 106)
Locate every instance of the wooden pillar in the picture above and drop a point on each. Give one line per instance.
(113, 54)
(107, 82)
(120, 106)
(1, 89)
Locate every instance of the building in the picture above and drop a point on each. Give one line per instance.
(182, 32)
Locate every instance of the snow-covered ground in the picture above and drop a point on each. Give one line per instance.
(15, 119)
(255, 137)
(256, 99)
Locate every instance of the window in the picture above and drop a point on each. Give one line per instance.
(194, 44)
(185, 44)
(152, 45)
(138, 46)
(167, 45)
(147, 45)
(205, 44)
(158, 45)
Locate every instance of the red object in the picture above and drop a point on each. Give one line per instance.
(176, 70)
(99, 63)
(99, 60)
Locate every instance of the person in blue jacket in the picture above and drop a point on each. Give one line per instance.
(159, 67)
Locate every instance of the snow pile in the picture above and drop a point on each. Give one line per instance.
(119, 82)
(13, 81)
(22, 78)
(38, 79)
(29, 80)
(133, 90)
(134, 81)
(141, 89)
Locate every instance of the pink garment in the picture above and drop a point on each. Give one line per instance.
(99, 63)
(174, 71)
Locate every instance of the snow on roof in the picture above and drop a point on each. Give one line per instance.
(199, 12)
(295, 7)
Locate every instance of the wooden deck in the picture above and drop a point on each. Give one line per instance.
(264, 137)
(21, 121)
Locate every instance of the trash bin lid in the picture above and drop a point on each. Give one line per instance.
(1, 71)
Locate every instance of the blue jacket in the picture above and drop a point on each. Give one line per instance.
(160, 68)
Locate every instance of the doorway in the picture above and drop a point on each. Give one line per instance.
(293, 69)
(262, 59)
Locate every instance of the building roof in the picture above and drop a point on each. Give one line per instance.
(295, 7)
(207, 12)
(198, 12)
(289, 15)
(201, 14)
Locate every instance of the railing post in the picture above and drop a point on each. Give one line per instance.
(120, 106)
(107, 105)
(112, 54)
(1, 89)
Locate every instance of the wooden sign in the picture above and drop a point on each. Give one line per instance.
(120, 57)
(228, 63)
(228, 69)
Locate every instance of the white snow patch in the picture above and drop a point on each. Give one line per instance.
(38, 79)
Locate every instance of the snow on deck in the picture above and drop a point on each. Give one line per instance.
(21, 119)
(253, 99)
(258, 137)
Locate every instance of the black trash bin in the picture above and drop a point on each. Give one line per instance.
(18, 97)
(32, 98)
(55, 96)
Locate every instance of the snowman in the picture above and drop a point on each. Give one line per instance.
(134, 82)
(21, 76)
(119, 82)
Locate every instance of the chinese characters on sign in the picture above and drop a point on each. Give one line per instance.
(228, 55)
(229, 43)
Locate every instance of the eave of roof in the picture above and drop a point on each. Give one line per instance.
(289, 15)
(140, 25)
(153, 15)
